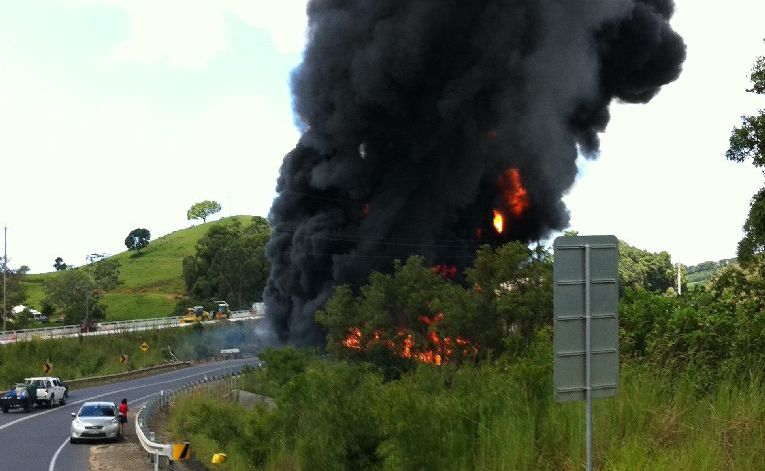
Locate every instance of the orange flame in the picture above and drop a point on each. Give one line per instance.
(353, 339)
(446, 271)
(515, 198)
(434, 349)
(499, 222)
(408, 344)
(515, 194)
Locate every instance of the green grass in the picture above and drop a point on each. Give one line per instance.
(81, 357)
(34, 288)
(152, 281)
(700, 277)
(494, 417)
(125, 306)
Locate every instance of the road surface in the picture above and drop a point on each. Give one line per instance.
(39, 440)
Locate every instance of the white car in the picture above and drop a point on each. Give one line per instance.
(96, 421)
(50, 390)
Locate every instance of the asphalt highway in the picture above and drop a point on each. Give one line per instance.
(39, 440)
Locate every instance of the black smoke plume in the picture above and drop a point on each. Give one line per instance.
(411, 110)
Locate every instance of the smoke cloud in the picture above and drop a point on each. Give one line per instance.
(413, 110)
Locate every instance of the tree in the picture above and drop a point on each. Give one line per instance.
(202, 210)
(137, 239)
(506, 298)
(640, 269)
(15, 292)
(75, 294)
(229, 263)
(59, 264)
(748, 141)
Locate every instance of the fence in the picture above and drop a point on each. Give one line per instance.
(108, 328)
(221, 384)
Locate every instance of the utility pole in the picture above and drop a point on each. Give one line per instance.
(679, 281)
(5, 262)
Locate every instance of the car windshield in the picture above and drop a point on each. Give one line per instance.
(96, 411)
(36, 382)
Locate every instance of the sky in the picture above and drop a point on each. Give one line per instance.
(120, 114)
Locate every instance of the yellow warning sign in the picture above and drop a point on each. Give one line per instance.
(144, 346)
(47, 367)
(123, 359)
(219, 458)
(181, 451)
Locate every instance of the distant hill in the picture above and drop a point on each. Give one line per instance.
(701, 273)
(152, 281)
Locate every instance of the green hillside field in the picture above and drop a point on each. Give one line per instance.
(152, 281)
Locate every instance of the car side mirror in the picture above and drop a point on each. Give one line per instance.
(74, 414)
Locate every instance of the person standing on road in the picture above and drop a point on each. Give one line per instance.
(123, 410)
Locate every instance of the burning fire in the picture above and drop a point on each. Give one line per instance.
(353, 339)
(499, 222)
(434, 350)
(446, 271)
(515, 198)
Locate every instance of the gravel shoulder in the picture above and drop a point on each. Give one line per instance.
(126, 455)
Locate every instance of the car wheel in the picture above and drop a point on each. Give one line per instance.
(62, 401)
(5, 410)
(72, 440)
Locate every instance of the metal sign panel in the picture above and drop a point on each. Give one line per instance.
(585, 303)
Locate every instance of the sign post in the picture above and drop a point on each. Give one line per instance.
(586, 330)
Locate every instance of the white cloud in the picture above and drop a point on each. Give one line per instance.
(186, 34)
(663, 182)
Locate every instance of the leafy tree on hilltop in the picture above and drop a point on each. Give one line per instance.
(59, 264)
(229, 264)
(202, 210)
(137, 239)
(745, 142)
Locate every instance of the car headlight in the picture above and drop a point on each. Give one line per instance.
(78, 426)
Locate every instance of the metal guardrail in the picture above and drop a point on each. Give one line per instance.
(107, 328)
(226, 383)
(103, 379)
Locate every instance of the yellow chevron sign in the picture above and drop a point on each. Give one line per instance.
(181, 451)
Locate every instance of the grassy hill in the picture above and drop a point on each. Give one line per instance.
(701, 273)
(152, 282)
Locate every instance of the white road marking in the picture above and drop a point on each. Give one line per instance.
(55, 456)
(28, 417)
(52, 464)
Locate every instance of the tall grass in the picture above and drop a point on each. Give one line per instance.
(499, 416)
(80, 357)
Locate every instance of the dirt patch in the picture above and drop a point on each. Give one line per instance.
(125, 455)
(128, 455)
